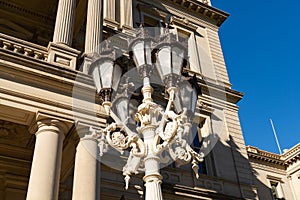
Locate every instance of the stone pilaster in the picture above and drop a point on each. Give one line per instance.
(86, 185)
(46, 163)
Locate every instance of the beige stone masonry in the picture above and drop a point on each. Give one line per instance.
(62, 55)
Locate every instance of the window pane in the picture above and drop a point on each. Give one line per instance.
(177, 58)
(164, 58)
(97, 79)
(116, 77)
(106, 70)
(138, 49)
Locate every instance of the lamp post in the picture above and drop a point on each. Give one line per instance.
(158, 129)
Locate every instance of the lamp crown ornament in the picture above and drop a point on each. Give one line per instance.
(159, 129)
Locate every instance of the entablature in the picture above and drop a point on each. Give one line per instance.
(188, 10)
(288, 158)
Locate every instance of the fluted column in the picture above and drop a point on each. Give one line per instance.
(46, 163)
(109, 10)
(126, 14)
(60, 51)
(109, 14)
(64, 24)
(86, 184)
(93, 34)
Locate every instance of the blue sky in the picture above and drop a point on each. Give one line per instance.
(261, 41)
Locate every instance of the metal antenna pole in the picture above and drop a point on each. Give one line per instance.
(274, 131)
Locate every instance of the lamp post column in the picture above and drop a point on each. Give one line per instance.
(86, 173)
(46, 163)
(152, 176)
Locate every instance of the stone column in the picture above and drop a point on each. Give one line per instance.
(93, 35)
(86, 185)
(46, 163)
(64, 24)
(126, 18)
(60, 51)
(109, 9)
(109, 14)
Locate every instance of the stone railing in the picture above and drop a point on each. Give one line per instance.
(23, 47)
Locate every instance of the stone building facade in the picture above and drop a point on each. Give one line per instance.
(280, 173)
(47, 46)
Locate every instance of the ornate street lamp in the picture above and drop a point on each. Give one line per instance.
(185, 98)
(169, 56)
(106, 74)
(158, 129)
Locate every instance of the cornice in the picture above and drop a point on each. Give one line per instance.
(289, 157)
(292, 151)
(186, 12)
(201, 9)
(256, 153)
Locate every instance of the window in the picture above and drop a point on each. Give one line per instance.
(152, 24)
(199, 136)
(183, 36)
(188, 37)
(276, 190)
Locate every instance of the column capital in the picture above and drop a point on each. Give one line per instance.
(87, 132)
(44, 122)
(50, 124)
